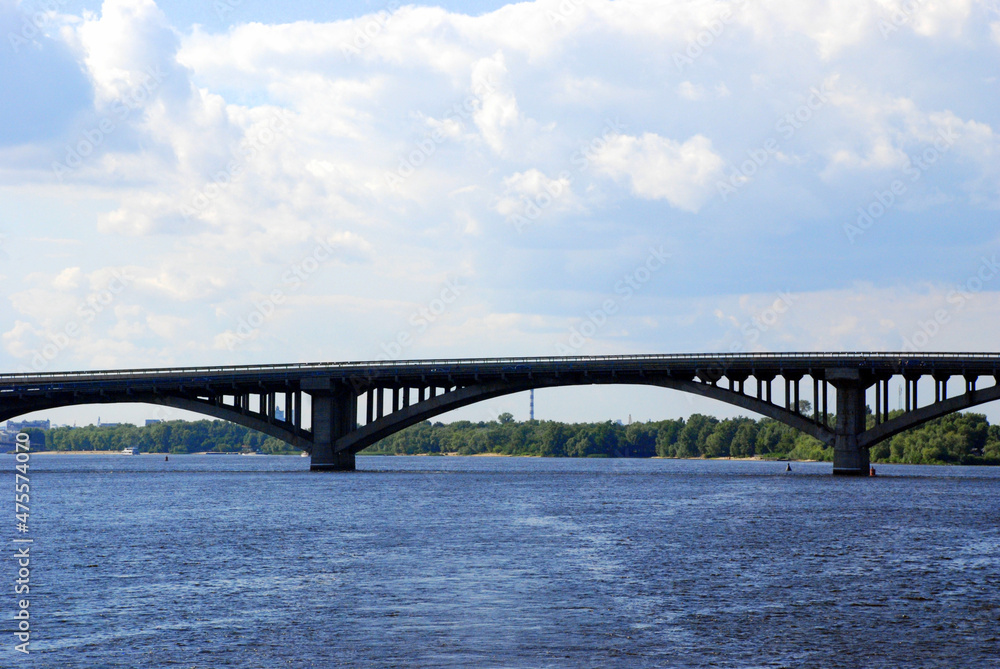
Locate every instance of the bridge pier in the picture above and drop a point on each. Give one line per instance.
(848, 458)
(334, 415)
(333, 461)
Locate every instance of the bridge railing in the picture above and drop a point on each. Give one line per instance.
(819, 357)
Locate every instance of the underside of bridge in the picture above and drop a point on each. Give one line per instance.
(846, 431)
(353, 407)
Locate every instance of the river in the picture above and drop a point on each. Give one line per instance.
(229, 561)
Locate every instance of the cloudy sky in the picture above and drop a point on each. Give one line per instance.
(189, 183)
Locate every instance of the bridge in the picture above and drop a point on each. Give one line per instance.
(335, 410)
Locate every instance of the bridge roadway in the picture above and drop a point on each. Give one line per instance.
(352, 405)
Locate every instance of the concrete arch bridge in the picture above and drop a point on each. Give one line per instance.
(335, 410)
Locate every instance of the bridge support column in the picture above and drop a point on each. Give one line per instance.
(848, 458)
(334, 415)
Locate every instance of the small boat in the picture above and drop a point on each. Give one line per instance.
(304, 455)
(130, 450)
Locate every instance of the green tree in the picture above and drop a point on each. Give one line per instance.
(691, 442)
(667, 434)
(719, 442)
(639, 440)
(744, 441)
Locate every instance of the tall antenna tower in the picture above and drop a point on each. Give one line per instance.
(532, 404)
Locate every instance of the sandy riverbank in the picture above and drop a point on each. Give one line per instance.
(454, 454)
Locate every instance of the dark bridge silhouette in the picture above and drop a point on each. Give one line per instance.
(335, 410)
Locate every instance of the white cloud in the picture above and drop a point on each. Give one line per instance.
(67, 279)
(886, 130)
(860, 317)
(533, 188)
(832, 26)
(934, 17)
(659, 168)
(124, 43)
(498, 112)
(16, 339)
(690, 91)
(211, 205)
(168, 327)
(694, 92)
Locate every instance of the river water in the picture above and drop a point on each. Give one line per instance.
(228, 561)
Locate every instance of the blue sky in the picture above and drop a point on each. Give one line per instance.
(187, 183)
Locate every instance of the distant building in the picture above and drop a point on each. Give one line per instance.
(7, 441)
(20, 426)
(8, 435)
(279, 414)
(152, 421)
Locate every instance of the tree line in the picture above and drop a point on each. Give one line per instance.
(965, 438)
(960, 438)
(175, 436)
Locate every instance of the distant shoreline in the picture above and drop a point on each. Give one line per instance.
(415, 455)
(297, 454)
(475, 455)
(752, 458)
(962, 438)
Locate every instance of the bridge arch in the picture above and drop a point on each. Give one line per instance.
(371, 433)
(299, 439)
(941, 408)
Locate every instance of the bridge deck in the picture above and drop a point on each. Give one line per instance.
(318, 406)
(940, 362)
